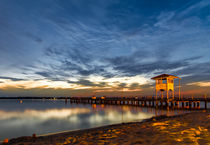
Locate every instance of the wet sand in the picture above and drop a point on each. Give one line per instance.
(191, 128)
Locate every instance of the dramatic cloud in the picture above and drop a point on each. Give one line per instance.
(102, 46)
(88, 83)
(201, 84)
(10, 78)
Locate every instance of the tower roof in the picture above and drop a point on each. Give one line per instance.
(164, 76)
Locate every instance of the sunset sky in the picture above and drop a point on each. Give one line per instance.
(102, 47)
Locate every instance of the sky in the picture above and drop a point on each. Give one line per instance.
(102, 47)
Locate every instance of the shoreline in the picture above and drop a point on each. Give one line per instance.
(192, 127)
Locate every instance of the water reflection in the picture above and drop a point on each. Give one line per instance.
(42, 117)
(43, 114)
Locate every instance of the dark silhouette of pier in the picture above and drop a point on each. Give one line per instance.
(175, 103)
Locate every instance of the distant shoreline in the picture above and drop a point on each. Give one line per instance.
(186, 128)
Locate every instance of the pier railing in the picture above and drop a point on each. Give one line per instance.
(176, 103)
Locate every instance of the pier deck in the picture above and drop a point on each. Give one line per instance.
(176, 103)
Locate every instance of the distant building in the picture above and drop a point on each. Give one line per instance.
(165, 83)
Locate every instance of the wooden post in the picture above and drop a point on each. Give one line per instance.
(205, 104)
(187, 103)
(173, 94)
(167, 103)
(172, 104)
(177, 104)
(205, 96)
(190, 104)
(167, 88)
(179, 89)
(145, 103)
(155, 89)
(198, 104)
(156, 104)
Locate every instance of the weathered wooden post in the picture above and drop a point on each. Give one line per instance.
(145, 103)
(149, 103)
(172, 104)
(177, 104)
(182, 104)
(198, 104)
(161, 103)
(156, 105)
(179, 89)
(190, 104)
(205, 96)
(153, 103)
(187, 104)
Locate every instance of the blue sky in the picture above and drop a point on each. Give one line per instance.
(86, 47)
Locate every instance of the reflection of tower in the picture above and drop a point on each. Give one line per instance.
(94, 106)
(165, 83)
(122, 114)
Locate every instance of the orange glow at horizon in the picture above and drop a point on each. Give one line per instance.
(111, 87)
(201, 84)
(39, 84)
(111, 83)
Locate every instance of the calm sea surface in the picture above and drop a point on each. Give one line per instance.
(50, 116)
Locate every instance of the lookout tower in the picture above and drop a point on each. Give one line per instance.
(165, 83)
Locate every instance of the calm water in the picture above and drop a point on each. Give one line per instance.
(49, 116)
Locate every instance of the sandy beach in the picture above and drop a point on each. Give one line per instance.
(190, 128)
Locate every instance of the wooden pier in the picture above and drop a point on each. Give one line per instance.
(176, 103)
